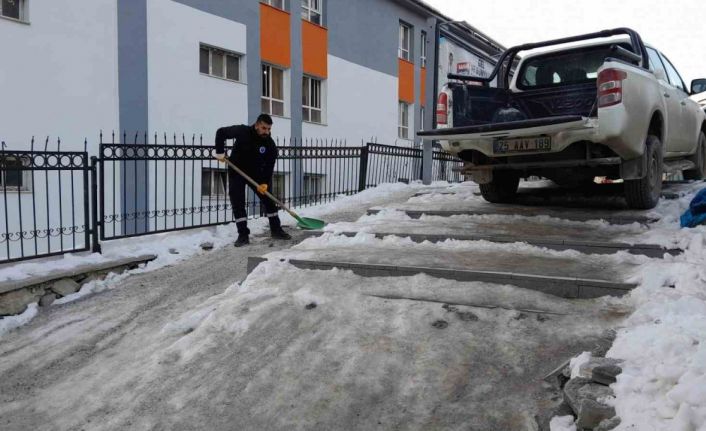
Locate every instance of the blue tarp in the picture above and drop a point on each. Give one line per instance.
(696, 214)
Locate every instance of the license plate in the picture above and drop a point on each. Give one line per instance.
(522, 145)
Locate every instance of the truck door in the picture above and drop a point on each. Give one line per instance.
(688, 125)
(687, 138)
(672, 137)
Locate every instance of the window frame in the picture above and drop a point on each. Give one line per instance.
(213, 175)
(667, 65)
(24, 177)
(268, 85)
(401, 49)
(307, 11)
(309, 179)
(403, 120)
(226, 53)
(270, 3)
(423, 50)
(22, 12)
(308, 93)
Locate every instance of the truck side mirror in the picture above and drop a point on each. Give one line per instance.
(698, 86)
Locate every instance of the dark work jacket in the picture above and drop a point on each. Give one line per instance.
(254, 155)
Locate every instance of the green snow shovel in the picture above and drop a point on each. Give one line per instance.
(302, 222)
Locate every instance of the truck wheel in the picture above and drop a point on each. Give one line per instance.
(502, 189)
(699, 173)
(644, 193)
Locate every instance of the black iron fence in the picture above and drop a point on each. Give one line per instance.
(143, 184)
(45, 202)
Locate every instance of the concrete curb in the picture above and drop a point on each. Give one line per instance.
(415, 214)
(565, 287)
(16, 295)
(9, 286)
(587, 247)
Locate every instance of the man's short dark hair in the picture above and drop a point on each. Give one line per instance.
(264, 118)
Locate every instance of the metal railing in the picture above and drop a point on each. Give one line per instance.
(56, 202)
(45, 202)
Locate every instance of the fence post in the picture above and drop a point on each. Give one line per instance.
(95, 245)
(363, 174)
(427, 162)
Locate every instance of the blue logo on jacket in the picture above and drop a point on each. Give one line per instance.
(262, 150)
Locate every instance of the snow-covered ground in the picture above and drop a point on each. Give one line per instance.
(187, 244)
(295, 349)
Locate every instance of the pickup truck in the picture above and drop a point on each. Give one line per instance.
(601, 104)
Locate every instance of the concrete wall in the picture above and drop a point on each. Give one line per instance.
(59, 74)
(182, 100)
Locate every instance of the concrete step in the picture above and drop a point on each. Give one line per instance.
(583, 246)
(478, 208)
(567, 277)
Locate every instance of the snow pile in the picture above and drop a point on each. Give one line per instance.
(663, 343)
(562, 423)
(575, 363)
(13, 322)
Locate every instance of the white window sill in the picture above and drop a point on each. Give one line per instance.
(19, 21)
(222, 79)
(314, 123)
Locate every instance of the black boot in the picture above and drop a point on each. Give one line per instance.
(242, 240)
(279, 233)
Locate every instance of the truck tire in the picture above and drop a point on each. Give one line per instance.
(699, 159)
(645, 192)
(502, 189)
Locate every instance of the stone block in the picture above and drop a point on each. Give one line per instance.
(591, 413)
(608, 424)
(47, 300)
(601, 370)
(606, 374)
(65, 286)
(206, 245)
(580, 389)
(16, 302)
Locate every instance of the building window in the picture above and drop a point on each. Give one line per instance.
(404, 49)
(312, 187)
(403, 121)
(278, 185)
(311, 11)
(423, 50)
(13, 176)
(219, 63)
(279, 4)
(214, 183)
(311, 100)
(14, 9)
(272, 90)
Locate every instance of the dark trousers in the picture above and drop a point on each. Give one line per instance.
(236, 190)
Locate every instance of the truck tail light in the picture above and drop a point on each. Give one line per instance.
(442, 109)
(610, 87)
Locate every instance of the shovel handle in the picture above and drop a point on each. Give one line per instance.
(255, 184)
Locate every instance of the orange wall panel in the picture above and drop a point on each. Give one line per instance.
(423, 88)
(314, 49)
(406, 81)
(275, 36)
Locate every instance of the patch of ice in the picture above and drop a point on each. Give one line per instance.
(562, 423)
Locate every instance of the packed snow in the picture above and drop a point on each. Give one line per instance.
(662, 343)
(186, 243)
